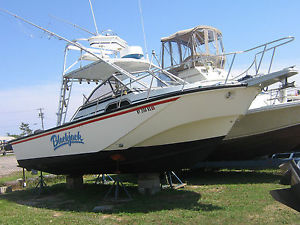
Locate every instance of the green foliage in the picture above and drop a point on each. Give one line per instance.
(13, 135)
(25, 129)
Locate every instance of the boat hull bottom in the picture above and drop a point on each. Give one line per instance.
(254, 146)
(133, 160)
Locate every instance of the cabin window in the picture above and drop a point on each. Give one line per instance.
(297, 155)
(114, 106)
(221, 47)
(282, 156)
(186, 51)
(166, 55)
(175, 53)
(212, 44)
(199, 43)
(176, 56)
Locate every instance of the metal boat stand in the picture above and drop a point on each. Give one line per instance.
(41, 184)
(169, 179)
(118, 185)
(102, 178)
(24, 178)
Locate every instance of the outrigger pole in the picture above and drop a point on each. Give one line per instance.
(73, 24)
(119, 69)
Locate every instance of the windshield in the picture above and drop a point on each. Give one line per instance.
(116, 85)
(200, 47)
(108, 89)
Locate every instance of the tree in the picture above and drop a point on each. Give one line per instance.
(12, 135)
(24, 127)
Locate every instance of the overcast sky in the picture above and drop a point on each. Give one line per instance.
(31, 62)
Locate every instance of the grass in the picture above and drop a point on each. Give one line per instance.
(29, 176)
(224, 197)
(7, 155)
(16, 175)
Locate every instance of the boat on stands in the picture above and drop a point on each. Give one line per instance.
(140, 118)
(271, 124)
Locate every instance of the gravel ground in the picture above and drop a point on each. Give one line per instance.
(8, 165)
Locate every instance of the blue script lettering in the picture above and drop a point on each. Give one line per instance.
(67, 139)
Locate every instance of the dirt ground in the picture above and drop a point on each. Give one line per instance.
(8, 165)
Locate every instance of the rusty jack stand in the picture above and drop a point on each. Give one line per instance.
(41, 184)
(170, 180)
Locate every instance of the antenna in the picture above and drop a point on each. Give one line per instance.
(94, 17)
(142, 22)
(74, 25)
(41, 115)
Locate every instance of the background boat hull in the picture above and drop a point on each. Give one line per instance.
(262, 132)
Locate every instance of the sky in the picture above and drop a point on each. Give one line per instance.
(31, 61)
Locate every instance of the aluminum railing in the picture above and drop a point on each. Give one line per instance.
(266, 47)
(289, 94)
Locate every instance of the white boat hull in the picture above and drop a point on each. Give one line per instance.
(185, 119)
(263, 131)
